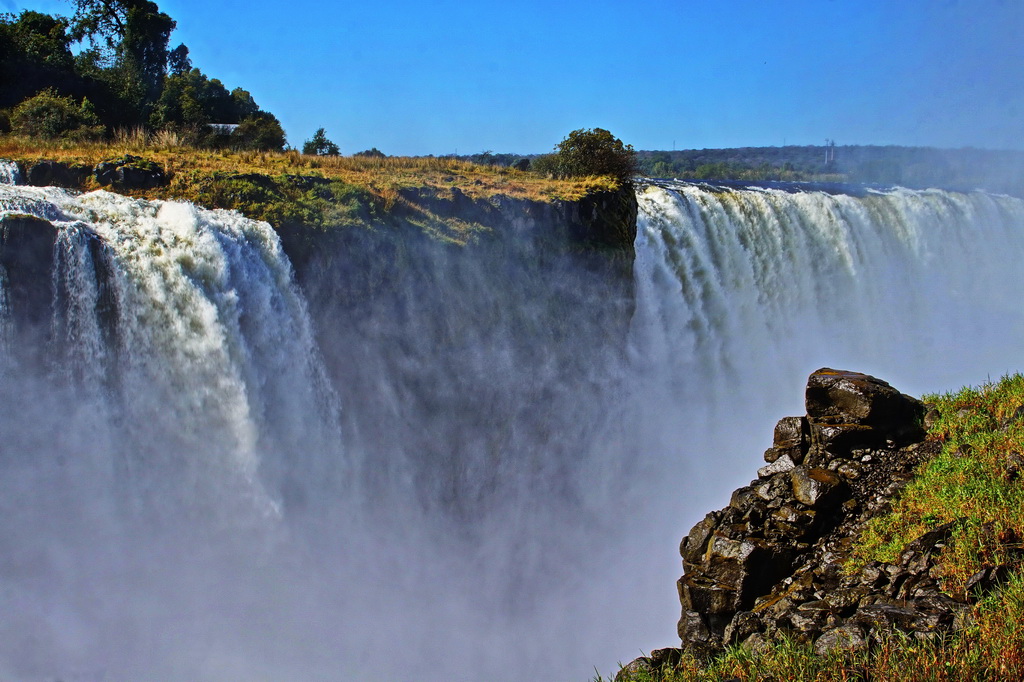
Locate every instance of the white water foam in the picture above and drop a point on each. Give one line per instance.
(10, 173)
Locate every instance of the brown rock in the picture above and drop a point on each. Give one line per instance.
(818, 488)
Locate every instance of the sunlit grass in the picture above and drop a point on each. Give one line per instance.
(381, 176)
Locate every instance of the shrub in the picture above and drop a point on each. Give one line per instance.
(373, 153)
(50, 116)
(261, 131)
(546, 164)
(595, 152)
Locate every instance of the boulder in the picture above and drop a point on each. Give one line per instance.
(130, 172)
(844, 637)
(818, 488)
(49, 173)
(842, 397)
(791, 438)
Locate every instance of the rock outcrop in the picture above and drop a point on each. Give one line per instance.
(130, 172)
(127, 172)
(771, 562)
(49, 173)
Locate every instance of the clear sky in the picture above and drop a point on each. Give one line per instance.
(415, 77)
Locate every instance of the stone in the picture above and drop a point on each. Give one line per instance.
(769, 563)
(818, 488)
(706, 596)
(695, 544)
(885, 615)
(775, 489)
(49, 173)
(791, 438)
(806, 622)
(757, 643)
(844, 397)
(130, 172)
(796, 523)
(851, 471)
(986, 580)
(933, 540)
(742, 626)
(837, 440)
(845, 637)
(692, 628)
(741, 498)
(779, 466)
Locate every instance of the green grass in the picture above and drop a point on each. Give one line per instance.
(973, 481)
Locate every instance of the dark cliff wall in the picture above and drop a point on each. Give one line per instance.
(26, 263)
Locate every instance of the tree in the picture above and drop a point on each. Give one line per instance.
(319, 145)
(35, 54)
(595, 152)
(192, 100)
(373, 153)
(135, 35)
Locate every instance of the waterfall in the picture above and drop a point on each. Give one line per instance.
(435, 461)
(914, 285)
(183, 330)
(10, 173)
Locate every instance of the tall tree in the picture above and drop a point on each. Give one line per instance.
(35, 53)
(134, 35)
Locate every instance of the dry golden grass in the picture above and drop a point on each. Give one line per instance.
(382, 176)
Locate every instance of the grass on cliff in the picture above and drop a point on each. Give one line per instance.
(977, 481)
(383, 177)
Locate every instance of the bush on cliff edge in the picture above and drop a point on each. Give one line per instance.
(588, 152)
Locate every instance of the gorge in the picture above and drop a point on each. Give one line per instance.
(229, 454)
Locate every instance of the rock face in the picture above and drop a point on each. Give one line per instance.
(130, 172)
(604, 219)
(26, 261)
(48, 173)
(770, 561)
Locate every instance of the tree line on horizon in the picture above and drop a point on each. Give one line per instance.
(966, 168)
(125, 77)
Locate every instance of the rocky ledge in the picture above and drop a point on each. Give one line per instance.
(772, 562)
(126, 172)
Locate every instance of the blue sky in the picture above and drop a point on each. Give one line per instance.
(516, 76)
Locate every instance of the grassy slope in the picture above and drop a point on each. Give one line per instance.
(379, 176)
(978, 479)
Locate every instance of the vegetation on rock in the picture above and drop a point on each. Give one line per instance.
(587, 152)
(972, 494)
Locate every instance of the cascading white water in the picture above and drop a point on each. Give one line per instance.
(741, 293)
(915, 285)
(213, 366)
(177, 500)
(10, 173)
